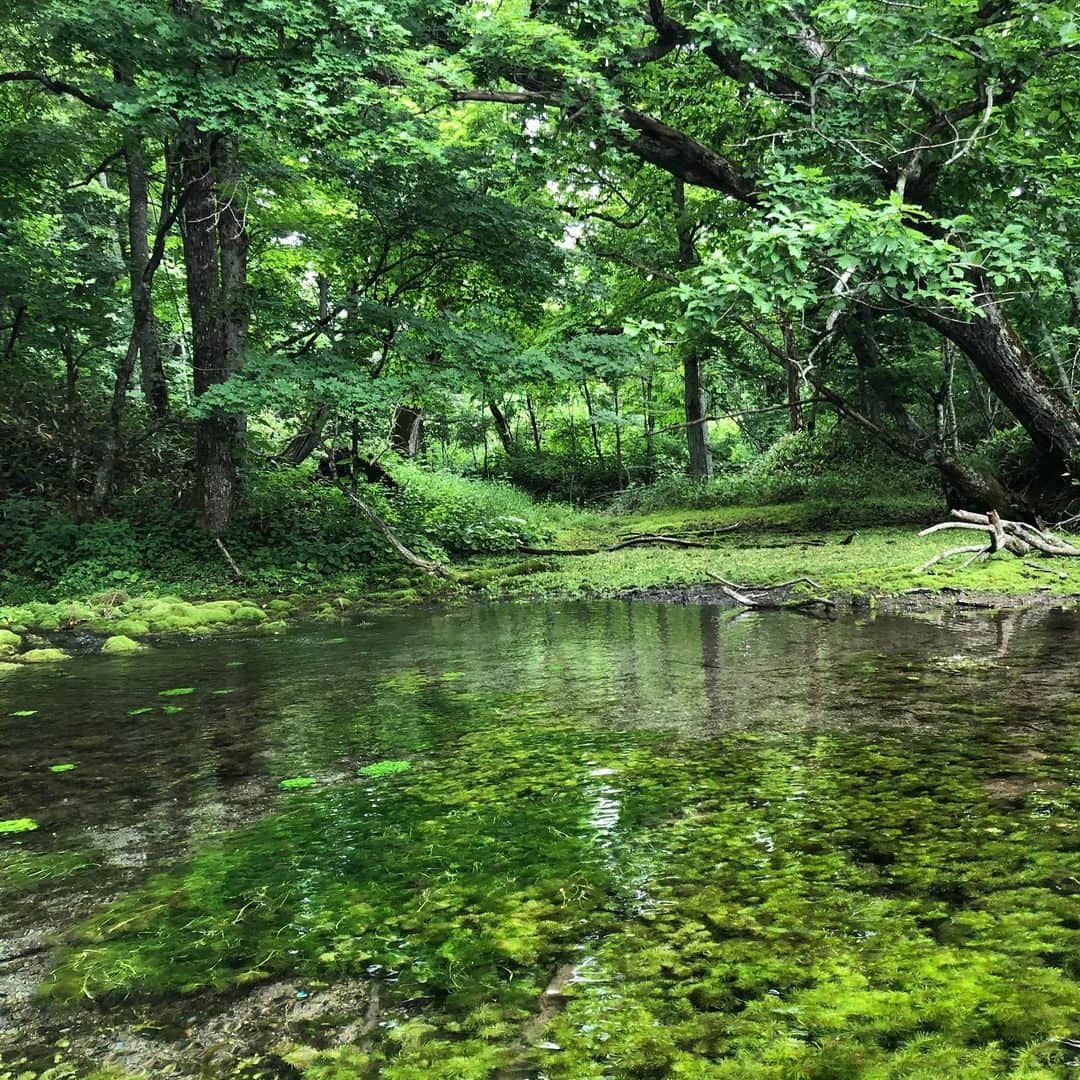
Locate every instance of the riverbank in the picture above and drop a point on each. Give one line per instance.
(858, 555)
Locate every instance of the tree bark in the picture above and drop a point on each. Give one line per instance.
(592, 422)
(502, 427)
(791, 375)
(143, 340)
(152, 374)
(215, 435)
(697, 427)
(533, 425)
(1001, 358)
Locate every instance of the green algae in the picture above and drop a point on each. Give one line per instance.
(177, 691)
(18, 825)
(26, 871)
(787, 908)
(140, 711)
(294, 783)
(24, 712)
(384, 768)
(62, 768)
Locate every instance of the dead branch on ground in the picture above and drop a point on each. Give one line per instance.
(1016, 537)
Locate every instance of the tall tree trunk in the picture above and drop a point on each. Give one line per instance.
(533, 425)
(694, 403)
(151, 372)
(618, 437)
(143, 340)
(649, 425)
(697, 429)
(1001, 358)
(215, 435)
(502, 428)
(791, 375)
(592, 422)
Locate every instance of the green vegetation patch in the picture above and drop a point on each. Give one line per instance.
(178, 691)
(62, 768)
(384, 768)
(295, 782)
(18, 825)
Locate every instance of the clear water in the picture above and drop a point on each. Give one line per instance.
(632, 840)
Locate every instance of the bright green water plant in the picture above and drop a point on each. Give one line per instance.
(294, 783)
(384, 768)
(18, 825)
(62, 768)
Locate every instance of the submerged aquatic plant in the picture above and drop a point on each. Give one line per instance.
(179, 691)
(65, 767)
(17, 825)
(298, 782)
(384, 768)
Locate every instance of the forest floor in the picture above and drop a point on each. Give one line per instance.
(859, 554)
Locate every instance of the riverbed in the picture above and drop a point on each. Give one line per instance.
(566, 840)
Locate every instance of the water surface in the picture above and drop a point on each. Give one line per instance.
(631, 840)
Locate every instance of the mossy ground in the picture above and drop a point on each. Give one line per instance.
(773, 544)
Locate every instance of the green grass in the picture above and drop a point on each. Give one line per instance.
(772, 544)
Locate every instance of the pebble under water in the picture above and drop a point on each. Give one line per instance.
(560, 840)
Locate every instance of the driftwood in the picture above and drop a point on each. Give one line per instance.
(638, 540)
(1016, 537)
(757, 598)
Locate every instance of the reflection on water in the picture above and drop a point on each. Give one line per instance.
(796, 846)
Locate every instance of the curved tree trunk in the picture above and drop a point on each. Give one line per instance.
(994, 348)
(502, 428)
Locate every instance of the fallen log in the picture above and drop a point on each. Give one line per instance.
(1016, 537)
(743, 594)
(641, 540)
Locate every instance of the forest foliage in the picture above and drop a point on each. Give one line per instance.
(249, 252)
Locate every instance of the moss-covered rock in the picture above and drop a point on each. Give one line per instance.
(130, 627)
(119, 643)
(249, 613)
(9, 642)
(43, 656)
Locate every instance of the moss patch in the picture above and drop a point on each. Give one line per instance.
(43, 656)
(121, 644)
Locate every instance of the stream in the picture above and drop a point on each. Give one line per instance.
(550, 840)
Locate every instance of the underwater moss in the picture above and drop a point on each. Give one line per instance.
(17, 825)
(384, 768)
